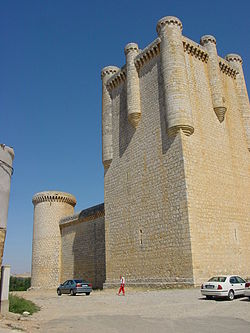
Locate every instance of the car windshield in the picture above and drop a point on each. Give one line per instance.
(79, 281)
(218, 279)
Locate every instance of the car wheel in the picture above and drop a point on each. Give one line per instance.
(59, 293)
(209, 297)
(72, 293)
(231, 295)
(87, 294)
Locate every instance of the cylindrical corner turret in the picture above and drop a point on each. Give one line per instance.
(107, 145)
(133, 87)
(218, 99)
(236, 61)
(49, 208)
(6, 170)
(177, 100)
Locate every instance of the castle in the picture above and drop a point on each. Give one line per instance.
(176, 143)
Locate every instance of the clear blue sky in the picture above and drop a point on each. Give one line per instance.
(52, 53)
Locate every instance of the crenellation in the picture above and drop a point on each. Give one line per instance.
(168, 21)
(227, 69)
(117, 78)
(54, 197)
(151, 51)
(195, 49)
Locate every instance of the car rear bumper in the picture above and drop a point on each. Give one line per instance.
(83, 290)
(216, 293)
(247, 292)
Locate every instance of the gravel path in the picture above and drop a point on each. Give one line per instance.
(139, 311)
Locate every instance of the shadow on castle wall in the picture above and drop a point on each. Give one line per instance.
(89, 252)
(126, 130)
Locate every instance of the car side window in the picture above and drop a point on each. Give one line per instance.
(240, 280)
(65, 283)
(233, 280)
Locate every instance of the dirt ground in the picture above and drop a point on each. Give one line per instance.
(138, 311)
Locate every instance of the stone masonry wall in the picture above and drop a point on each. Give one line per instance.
(49, 208)
(83, 246)
(217, 165)
(177, 206)
(146, 218)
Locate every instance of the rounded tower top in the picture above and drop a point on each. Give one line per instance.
(131, 47)
(232, 57)
(54, 196)
(109, 70)
(168, 20)
(10, 150)
(207, 39)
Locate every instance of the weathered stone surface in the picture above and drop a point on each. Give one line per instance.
(83, 246)
(49, 208)
(177, 207)
(176, 183)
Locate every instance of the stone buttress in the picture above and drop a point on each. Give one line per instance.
(133, 87)
(218, 99)
(177, 100)
(107, 145)
(236, 61)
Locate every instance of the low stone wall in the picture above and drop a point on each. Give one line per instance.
(83, 246)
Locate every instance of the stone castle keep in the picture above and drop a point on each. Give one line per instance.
(176, 156)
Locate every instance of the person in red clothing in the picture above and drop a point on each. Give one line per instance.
(122, 286)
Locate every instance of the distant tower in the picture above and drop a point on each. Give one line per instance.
(49, 208)
(6, 159)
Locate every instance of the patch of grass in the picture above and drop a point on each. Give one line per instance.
(19, 305)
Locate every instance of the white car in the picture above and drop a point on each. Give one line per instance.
(224, 286)
(247, 290)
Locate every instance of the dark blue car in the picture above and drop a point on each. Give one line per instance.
(74, 287)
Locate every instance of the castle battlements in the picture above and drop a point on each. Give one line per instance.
(172, 48)
(191, 47)
(54, 196)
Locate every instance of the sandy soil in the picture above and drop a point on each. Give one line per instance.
(139, 311)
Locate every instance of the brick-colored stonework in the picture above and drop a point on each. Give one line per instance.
(83, 246)
(177, 188)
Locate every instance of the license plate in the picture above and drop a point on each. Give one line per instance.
(209, 286)
(84, 285)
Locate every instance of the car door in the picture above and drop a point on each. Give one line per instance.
(70, 286)
(240, 285)
(67, 287)
(234, 285)
(64, 286)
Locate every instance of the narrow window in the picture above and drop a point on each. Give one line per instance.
(235, 234)
(140, 236)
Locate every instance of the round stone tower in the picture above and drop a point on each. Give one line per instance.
(6, 170)
(49, 208)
